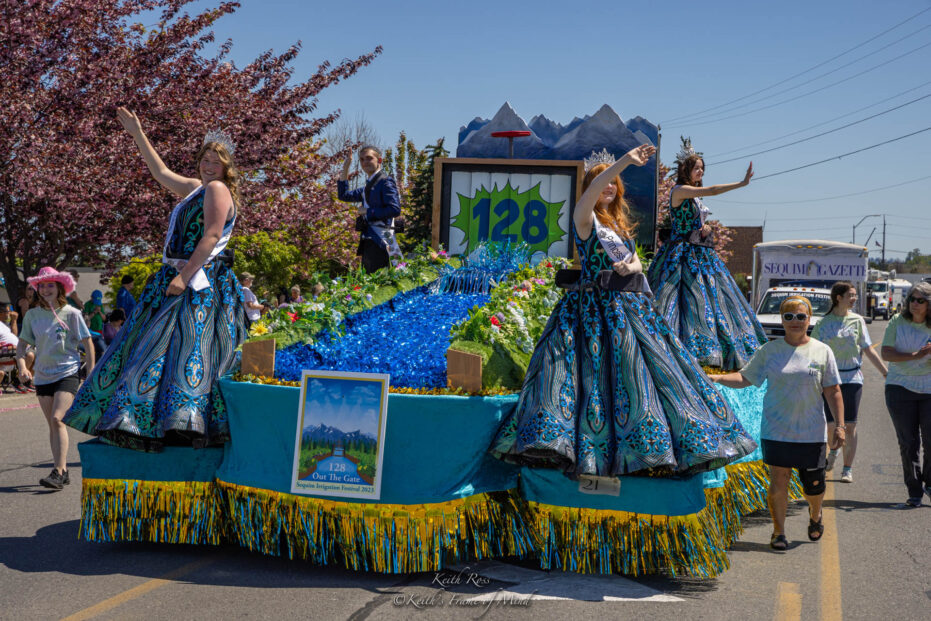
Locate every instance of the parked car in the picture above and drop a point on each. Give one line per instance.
(767, 313)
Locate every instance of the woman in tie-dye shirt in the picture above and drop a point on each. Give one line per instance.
(798, 370)
(845, 333)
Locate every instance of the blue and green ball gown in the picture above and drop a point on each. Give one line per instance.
(699, 299)
(157, 382)
(610, 390)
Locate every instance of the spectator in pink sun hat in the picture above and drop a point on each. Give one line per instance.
(56, 330)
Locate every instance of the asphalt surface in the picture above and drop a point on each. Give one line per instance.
(874, 561)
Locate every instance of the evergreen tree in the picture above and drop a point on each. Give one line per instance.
(420, 209)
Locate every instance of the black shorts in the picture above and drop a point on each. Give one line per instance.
(851, 394)
(65, 384)
(801, 455)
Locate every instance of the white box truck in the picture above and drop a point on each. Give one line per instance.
(808, 267)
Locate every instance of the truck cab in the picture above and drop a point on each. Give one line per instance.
(767, 313)
(880, 299)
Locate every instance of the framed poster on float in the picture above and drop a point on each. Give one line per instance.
(340, 440)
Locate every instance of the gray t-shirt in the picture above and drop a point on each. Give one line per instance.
(792, 407)
(907, 337)
(56, 341)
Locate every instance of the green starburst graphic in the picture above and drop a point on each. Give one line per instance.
(503, 215)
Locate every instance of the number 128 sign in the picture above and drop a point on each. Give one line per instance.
(496, 200)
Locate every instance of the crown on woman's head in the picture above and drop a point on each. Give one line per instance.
(222, 138)
(687, 150)
(598, 157)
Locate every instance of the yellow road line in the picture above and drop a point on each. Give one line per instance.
(788, 602)
(139, 591)
(830, 562)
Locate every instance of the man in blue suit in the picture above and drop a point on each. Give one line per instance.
(381, 204)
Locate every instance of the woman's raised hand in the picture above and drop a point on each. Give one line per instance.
(749, 174)
(640, 155)
(129, 121)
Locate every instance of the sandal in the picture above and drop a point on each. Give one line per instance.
(815, 529)
(779, 542)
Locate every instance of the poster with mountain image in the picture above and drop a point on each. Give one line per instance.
(340, 437)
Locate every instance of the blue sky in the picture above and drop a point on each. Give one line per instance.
(446, 63)
(348, 405)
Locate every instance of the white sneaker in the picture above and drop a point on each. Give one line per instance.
(847, 475)
(832, 455)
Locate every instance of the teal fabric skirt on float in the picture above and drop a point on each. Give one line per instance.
(444, 499)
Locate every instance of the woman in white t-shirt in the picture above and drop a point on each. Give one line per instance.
(907, 349)
(56, 329)
(845, 333)
(798, 370)
(253, 308)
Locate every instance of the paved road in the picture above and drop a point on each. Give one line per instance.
(874, 562)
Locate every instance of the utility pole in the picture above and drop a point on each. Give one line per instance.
(884, 241)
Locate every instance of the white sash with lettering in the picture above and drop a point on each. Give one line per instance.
(199, 281)
(612, 243)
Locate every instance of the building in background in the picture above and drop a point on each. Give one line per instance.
(741, 247)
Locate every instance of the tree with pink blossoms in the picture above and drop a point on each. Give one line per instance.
(72, 185)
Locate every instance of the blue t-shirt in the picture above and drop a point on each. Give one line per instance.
(126, 301)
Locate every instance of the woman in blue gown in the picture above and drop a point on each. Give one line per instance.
(157, 382)
(695, 293)
(610, 390)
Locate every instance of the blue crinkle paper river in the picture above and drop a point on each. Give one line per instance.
(406, 337)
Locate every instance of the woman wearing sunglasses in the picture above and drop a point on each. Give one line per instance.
(845, 333)
(799, 370)
(906, 347)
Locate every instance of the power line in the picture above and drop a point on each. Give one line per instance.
(805, 129)
(908, 217)
(821, 64)
(837, 157)
(833, 218)
(692, 120)
(817, 90)
(838, 229)
(826, 198)
(830, 131)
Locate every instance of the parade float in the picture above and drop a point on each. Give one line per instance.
(361, 420)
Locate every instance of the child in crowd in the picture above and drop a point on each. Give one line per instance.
(114, 323)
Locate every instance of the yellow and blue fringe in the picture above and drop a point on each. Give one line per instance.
(375, 537)
(427, 537)
(602, 541)
(152, 511)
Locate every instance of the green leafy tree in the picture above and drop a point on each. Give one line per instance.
(276, 263)
(140, 270)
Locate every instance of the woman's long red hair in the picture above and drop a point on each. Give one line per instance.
(617, 213)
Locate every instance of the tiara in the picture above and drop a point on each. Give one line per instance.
(687, 150)
(222, 138)
(598, 157)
